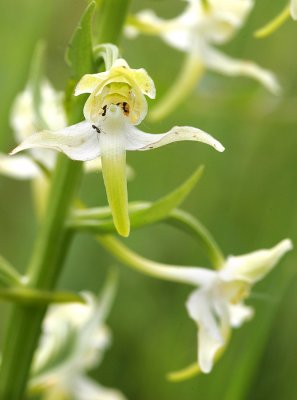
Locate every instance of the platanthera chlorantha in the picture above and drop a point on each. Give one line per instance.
(115, 106)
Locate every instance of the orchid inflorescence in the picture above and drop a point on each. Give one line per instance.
(74, 336)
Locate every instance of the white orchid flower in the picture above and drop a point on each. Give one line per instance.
(25, 121)
(116, 104)
(217, 305)
(196, 32)
(73, 341)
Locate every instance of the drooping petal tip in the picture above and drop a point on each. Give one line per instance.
(254, 266)
(138, 140)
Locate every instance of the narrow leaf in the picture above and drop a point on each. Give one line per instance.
(161, 208)
(141, 214)
(79, 54)
(36, 80)
(8, 275)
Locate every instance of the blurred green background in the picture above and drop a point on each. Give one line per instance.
(247, 198)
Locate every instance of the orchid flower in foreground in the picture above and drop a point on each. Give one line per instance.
(73, 341)
(200, 27)
(217, 305)
(116, 104)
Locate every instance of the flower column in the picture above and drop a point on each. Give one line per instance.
(51, 246)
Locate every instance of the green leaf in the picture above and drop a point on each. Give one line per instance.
(8, 275)
(141, 214)
(79, 54)
(161, 208)
(36, 79)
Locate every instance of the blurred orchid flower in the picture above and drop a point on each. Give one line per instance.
(116, 104)
(217, 305)
(201, 26)
(73, 341)
(25, 121)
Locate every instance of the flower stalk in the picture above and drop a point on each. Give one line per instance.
(50, 248)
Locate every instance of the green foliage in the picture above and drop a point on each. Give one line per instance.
(141, 214)
(8, 275)
(36, 79)
(79, 54)
(79, 57)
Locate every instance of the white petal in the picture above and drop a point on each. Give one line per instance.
(19, 167)
(207, 350)
(23, 117)
(78, 142)
(86, 389)
(210, 336)
(223, 19)
(221, 63)
(293, 5)
(138, 140)
(254, 266)
(239, 313)
(93, 165)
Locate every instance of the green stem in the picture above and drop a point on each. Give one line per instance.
(98, 221)
(190, 275)
(112, 18)
(190, 74)
(29, 296)
(192, 225)
(48, 255)
(51, 246)
(274, 24)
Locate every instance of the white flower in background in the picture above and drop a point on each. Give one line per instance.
(217, 305)
(116, 104)
(73, 341)
(25, 121)
(201, 26)
(26, 118)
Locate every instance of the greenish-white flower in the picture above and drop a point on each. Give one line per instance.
(217, 304)
(115, 106)
(197, 31)
(73, 341)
